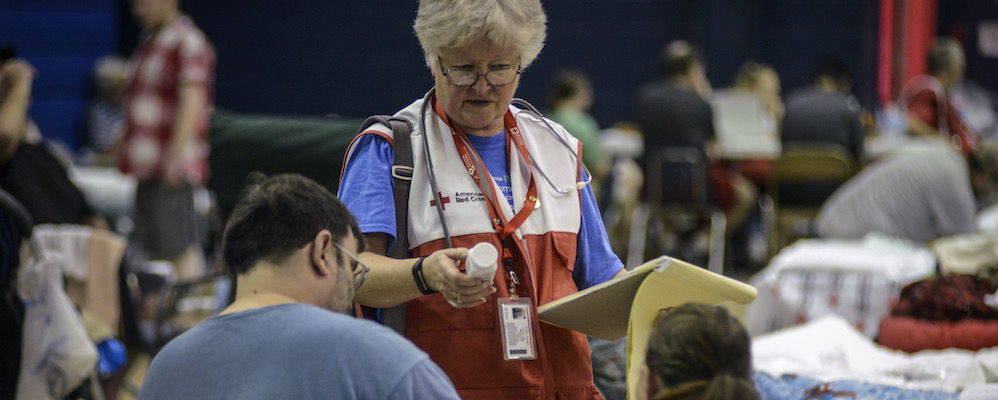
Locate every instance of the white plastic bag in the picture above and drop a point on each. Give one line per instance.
(57, 356)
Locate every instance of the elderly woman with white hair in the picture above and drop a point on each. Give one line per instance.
(484, 171)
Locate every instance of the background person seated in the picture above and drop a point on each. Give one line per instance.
(763, 81)
(918, 193)
(571, 98)
(674, 112)
(821, 125)
(824, 112)
(697, 351)
(926, 98)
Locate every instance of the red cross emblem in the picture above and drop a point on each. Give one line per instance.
(443, 201)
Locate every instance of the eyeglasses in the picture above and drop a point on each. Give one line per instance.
(463, 78)
(359, 269)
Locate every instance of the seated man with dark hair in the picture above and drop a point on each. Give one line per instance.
(292, 245)
(675, 112)
(697, 351)
(825, 113)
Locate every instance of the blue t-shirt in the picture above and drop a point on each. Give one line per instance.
(492, 150)
(293, 351)
(367, 190)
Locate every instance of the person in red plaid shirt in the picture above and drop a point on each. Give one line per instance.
(167, 105)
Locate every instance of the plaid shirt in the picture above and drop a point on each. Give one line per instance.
(179, 53)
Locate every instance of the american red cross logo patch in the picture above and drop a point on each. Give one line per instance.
(443, 201)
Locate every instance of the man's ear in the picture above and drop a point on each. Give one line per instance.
(322, 265)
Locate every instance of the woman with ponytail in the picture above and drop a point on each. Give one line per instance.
(698, 352)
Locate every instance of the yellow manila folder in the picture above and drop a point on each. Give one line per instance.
(628, 305)
(603, 311)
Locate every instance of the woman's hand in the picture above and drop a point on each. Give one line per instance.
(461, 291)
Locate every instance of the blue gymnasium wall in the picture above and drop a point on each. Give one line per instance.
(62, 39)
(358, 58)
(361, 58)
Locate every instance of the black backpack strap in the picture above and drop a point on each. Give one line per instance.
(402, 174)
(394, 317)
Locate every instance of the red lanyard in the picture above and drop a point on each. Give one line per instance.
(504, 227)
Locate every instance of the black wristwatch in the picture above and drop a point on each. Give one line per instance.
(417, 275)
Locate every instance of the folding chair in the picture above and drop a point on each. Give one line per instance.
(803, 177)
(678, 205)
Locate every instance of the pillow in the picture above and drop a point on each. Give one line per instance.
(913, 334)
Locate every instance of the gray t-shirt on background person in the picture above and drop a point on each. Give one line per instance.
(816, 117)
(672, 116)
(293, 351)
(918, 193)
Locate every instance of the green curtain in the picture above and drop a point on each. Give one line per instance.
(273, 144)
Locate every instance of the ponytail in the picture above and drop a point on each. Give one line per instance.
(722, 387)
(729, 387)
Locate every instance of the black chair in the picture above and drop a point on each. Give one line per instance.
(803, 177)
(678, 206)
(15, 226)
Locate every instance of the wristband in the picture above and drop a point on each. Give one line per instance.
(417, 275)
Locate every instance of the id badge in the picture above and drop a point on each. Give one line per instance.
(517, 332)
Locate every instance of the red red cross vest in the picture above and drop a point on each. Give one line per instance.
(466, 343)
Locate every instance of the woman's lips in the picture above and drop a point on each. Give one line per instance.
(479, 103)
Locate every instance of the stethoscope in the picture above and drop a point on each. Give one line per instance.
(587, 177)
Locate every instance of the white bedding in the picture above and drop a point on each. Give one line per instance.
(829, 349)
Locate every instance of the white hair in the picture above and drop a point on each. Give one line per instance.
(444, 24)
